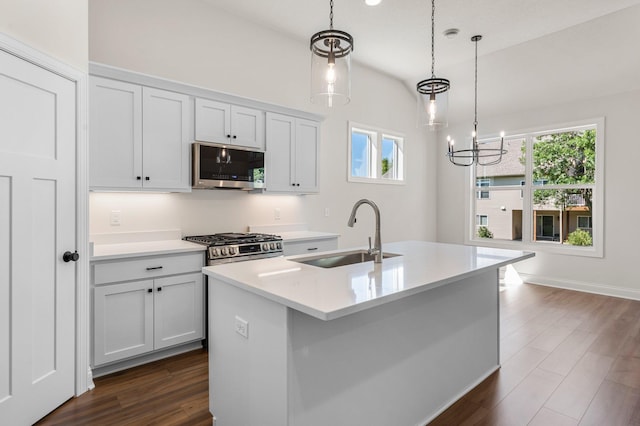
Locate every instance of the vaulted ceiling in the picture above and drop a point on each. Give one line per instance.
(533, 52)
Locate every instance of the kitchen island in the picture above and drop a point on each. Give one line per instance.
(394, 343)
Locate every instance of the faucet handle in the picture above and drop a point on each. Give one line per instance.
(369, 245)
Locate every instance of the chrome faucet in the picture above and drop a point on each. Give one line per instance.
(376, 250)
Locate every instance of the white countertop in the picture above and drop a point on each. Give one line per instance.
(146, 248)
(335, 292)
(306, 235)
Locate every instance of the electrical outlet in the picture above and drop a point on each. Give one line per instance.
(276, 213)
(114, 218)
(326, 212)
(242, 327)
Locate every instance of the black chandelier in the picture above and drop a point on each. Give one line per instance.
(433, 109)
(475, 155)
(331, 65)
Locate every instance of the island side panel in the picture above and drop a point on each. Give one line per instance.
(397, 364)
(247, 376)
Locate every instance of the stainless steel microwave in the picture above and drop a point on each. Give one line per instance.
(221, 166)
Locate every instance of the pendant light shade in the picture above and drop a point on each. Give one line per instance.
(479, 154)
(433, 96)
(331, 65)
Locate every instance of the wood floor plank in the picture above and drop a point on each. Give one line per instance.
(521, 405)
(546, 417)
(573, 396)
(564, 357)
(613, 405)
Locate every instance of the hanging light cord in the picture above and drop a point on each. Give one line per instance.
(475, 113)
(433, 49)
(331, 15)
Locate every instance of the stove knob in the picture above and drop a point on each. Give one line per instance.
(279, 246)
(214, 252)
(265, 246)
(223, 251)
(272, 246)
(232, 250)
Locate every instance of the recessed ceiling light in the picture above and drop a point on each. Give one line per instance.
(451, 32)
(372, 2)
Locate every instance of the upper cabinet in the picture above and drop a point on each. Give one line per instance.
(291, 163)
(227, 124)
(138, 137)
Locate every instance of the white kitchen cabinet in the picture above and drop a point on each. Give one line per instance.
(146, 304)
(291, 163)
(310, 246)
(178, 314)
(138, 137)
(223, 123)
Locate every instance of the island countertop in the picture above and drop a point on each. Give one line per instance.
(329, 293)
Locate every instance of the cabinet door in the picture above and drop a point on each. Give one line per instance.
(165, 140)
(123, 321)
(179, 309)
(115, 134)
(306, 155)
(213, 121)
(278, 159)
(247, 127)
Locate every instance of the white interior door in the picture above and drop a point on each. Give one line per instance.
(37, 225)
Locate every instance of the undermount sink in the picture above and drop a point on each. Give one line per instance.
(333, 260)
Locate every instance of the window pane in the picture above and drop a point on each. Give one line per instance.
(389, 151)
(510, 171)
(360, 154)
(565, 158)
(563, 216)
(391, 166)
(500, 214)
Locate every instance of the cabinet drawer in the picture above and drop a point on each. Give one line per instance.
(309, 246)
(146, 267)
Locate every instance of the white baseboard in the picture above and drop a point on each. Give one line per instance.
(596, 288)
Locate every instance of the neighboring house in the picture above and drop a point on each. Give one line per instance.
(501, 211)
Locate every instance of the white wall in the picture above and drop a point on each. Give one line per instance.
(615, 273)
(193, 42)
(55, 27)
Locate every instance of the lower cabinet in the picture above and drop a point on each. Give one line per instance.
(145, 315)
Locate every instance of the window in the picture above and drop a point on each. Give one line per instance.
(482, 220)
(483, 195)
(375, 155)
(584, 222)
(545, 193)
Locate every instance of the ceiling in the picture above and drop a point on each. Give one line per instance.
(532, 45)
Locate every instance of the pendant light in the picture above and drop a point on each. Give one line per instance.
(485, 156)
(331, 65)
(432, 92)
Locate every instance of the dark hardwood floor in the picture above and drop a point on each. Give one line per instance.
(173, 391)
(568, 358)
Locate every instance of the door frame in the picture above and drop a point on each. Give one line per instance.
(83, 380)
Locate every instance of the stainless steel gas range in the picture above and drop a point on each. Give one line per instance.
(236, 247)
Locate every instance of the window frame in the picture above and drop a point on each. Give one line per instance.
(479, 220)
(528, 242)
(374, 156)
(479, 184)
